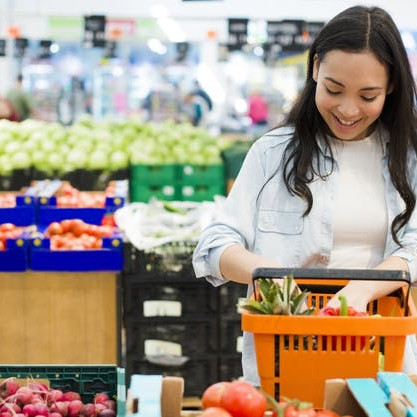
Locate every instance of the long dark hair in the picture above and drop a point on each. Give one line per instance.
(357, 29)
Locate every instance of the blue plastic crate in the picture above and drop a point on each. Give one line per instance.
(23, 214)
(15, 257)
(108, 258)
(49, 214)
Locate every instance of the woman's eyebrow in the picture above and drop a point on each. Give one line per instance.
(342, 85)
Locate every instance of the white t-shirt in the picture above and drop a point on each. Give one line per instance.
(360, 220)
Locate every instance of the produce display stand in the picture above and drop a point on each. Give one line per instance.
(56, 318)
(323, 347)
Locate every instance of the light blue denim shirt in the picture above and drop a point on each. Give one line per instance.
(272, 225)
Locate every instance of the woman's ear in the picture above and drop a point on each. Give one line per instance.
(315, 67)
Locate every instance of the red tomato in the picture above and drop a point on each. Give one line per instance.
(78, 227)
(326, 413)
(54, 228)
(6, 227)
(2, 245)
(66, 225)
(215, 412)
(212, 395)
(242, 399)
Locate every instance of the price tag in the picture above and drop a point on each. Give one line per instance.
(155, 308)
(162, 347)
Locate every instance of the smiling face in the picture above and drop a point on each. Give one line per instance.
(351, 91)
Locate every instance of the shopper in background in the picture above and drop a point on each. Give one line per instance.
(196, 109)
(258, 113)
(199, 92)
(335, 186)
(20, 100)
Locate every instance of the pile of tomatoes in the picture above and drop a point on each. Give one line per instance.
(75, 234)
(70, 197)
(8, 231)
(241, 399)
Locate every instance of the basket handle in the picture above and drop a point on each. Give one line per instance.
(337, 274)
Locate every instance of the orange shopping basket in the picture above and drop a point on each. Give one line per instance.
(296, 354)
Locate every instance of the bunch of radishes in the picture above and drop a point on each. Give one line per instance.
(37, 400)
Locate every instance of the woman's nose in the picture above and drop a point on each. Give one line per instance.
(348, 108)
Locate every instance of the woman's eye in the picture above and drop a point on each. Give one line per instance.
(368, 99)
(331, 91)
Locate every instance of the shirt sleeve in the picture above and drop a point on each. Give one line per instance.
(235, 222)
(408, 251)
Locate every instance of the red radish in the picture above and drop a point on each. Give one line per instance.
(55, 395)
(107, 413)
(111, 404)
(55, 415)
(101, 398)
(74, 408)
(99, 408)
(29, 410)
(8, 387)
(24, 395)
(11, 408)
(41, 409)
(6, 414)
(60, 407)
(89, 410)
(71, 396)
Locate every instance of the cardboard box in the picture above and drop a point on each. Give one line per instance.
(172, 391)
(339, 398)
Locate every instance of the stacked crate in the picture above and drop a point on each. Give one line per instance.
(185, 182)
(230, 333)
(170, 319)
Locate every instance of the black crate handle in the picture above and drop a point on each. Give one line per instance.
(345, 274)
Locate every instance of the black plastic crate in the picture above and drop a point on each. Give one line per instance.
(229, 295)
(171, 258)
(230, 335)
(230, 367)
(198, 372)
(193, 337)
(188, 299)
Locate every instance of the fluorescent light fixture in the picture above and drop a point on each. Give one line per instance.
(171, 29)
(155, 45)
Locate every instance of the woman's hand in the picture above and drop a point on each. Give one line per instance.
(356, 296)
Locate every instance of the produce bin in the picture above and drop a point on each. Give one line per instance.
(87, 380)
(15, 256)
(107, 258)
(153, 174)
(191, 174)
(290, 349)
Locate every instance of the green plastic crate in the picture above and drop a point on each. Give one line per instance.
(234, 156)
(143, 193)
(190, 174)
(153, 174)
(201, 192)
(87, 380)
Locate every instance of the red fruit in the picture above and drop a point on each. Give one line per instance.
(6, 414)
(99, 408)
(29, 410)
(24, 396)
(55, 414)
(212, 395)
(101, 398)
(215, 412)
(242, 399)
(74, 408)
(8, 387)
(111, 404)
(107, 413)
(41, 409)
(89, 410)
(71, 396)
(55, 395)
(60, 407)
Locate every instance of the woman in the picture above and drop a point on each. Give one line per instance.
(335, 187)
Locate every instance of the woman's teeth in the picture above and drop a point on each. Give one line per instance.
(345, 122)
